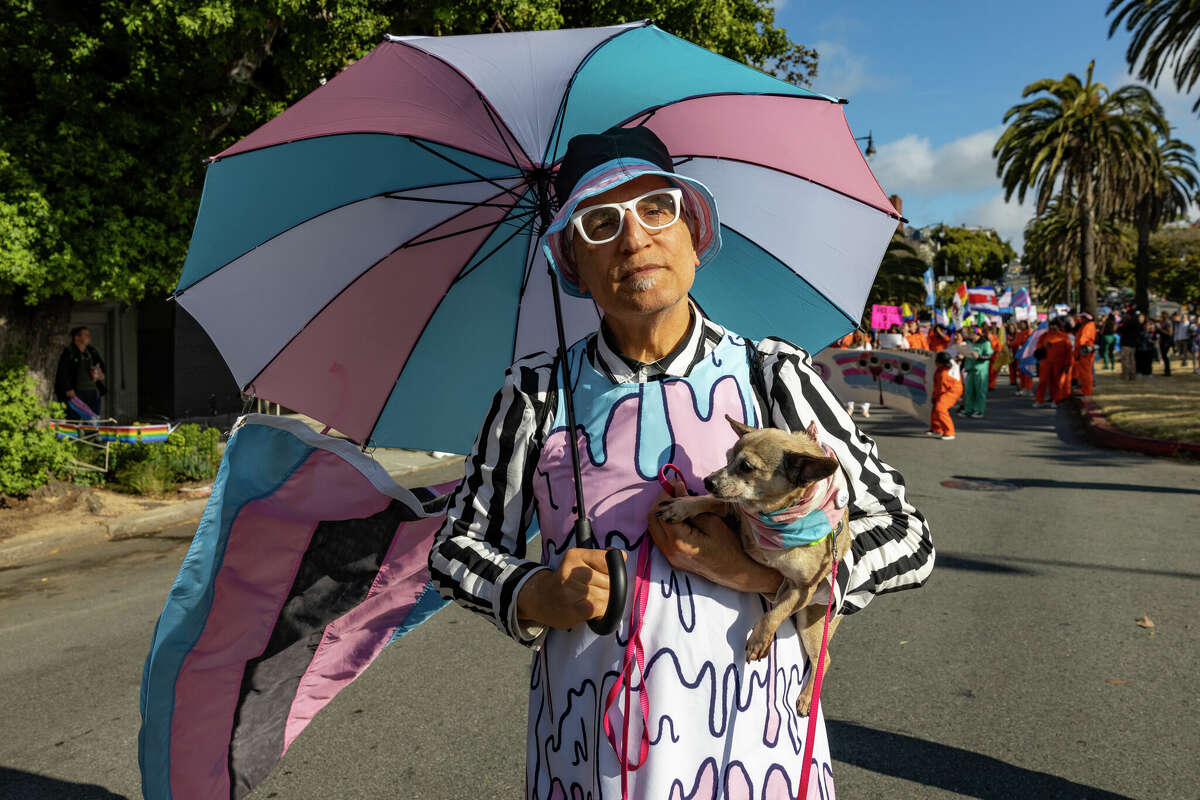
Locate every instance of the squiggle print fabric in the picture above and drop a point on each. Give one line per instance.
(719, 727)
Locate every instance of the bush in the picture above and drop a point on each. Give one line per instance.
(29, 453)
(191, 453)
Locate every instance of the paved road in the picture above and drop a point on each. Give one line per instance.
(1017, 672)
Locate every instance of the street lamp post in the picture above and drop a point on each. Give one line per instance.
(870, 151)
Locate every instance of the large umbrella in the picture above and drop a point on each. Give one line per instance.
(370, 257)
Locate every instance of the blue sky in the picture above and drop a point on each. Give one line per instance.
(932, 80)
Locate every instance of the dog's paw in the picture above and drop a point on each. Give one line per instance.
(804, 702)
(759, 643)
(676, 510)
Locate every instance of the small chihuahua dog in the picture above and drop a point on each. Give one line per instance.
(789, 497)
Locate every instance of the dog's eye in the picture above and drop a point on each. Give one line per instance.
(744, 467)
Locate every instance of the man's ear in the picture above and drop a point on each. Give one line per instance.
(738, 428)
(801, 468)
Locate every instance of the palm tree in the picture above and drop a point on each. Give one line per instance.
(1160, 193)
(1081, 142)
(1052, 248)
(1164, 32)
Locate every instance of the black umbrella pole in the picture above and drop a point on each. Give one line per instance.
(583, 527)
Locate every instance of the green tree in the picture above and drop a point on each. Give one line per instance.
(900, 276)
(108, 107)
(969, 254)
(1161, 193)
(1079, 141)
(1164, 37)
(1174, 265)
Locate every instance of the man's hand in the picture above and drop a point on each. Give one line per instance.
(70, 393)
(707, 547)
(564, 597)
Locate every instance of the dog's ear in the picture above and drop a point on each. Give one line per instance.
(812, 430)
(739, 428)
(801, 468)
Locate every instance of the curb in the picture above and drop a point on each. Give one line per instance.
(150, 523)
(1102, 433)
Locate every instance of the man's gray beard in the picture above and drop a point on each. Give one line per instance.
(642, 283)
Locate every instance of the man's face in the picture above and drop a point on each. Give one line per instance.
(83, 338)
(641, 271)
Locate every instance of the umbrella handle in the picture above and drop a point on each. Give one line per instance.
(616, 581)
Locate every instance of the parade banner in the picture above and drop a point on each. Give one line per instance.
(884, 317)
(898, 379)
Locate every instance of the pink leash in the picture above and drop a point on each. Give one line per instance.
(816, 696)
(635, 652)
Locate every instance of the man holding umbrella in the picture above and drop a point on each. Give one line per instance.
(653, 384)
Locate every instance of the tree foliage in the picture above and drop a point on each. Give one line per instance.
(1051, 251)
(900, 276)
(1079, 141)
(1174, 265)
(969, 254)
(30, 455)
(1164, 37)
(109, 106)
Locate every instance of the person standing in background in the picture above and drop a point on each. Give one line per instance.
(1085, 353)
(80, 374)
(1129, 333)
(947, 388)
(1054, 368)
(975, 365)
(1166, 340)
(1147, 347)
(997, 342)
(1183, 337)
(1108, 340)
(1023, 382)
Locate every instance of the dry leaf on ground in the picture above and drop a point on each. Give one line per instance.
(1144, 622)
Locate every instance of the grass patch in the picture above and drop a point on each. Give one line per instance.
(1160, 407)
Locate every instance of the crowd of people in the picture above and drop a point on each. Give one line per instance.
(969, 360)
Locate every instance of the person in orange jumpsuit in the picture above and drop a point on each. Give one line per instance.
(947, 388)
(1085, 352)
(938, 338)
(916, 340)
(846, 341)
(1054, 371)
(1015, 375)
(993, 363)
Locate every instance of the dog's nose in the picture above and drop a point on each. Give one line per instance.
(708, 484)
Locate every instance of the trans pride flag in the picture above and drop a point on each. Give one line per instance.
(308, 562)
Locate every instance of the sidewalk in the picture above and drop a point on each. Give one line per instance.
(409, 468)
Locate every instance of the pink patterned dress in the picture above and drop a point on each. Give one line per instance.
(718, 727)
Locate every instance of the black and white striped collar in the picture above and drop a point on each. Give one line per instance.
(702, 336)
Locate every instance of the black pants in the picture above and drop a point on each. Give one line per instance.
(1164, 349)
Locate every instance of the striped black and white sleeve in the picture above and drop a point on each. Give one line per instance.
(891, 549)
(478, 556)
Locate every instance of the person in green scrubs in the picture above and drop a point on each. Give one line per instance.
(975, 374)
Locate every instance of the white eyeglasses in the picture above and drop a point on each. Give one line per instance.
(654, 210)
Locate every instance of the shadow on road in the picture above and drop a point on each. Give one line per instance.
(1046, 483)
(988, 564)
(949, 561)
(950, 768)
(28, 786)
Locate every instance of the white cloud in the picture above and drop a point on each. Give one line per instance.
(1009, 219)
(843, 73)
(912, 166)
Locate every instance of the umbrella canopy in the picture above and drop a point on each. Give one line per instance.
(370, 257)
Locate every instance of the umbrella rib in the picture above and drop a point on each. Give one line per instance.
(528, 223)
(470, 203)
(503, 140)
(408, 244)
(464, 168)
